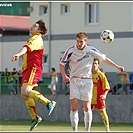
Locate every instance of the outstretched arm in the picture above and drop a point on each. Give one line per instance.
(15, 57)
(49, 74)
(111, 63)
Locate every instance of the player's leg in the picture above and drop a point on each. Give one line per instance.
(12, 89)
(30, 76)
(74, 117)
(37, 96)
(86, 94)
(54, 89)
(11, 93)
(87, 115)
(105, 118)
(74, 96)
(30, 104)
(50, 86)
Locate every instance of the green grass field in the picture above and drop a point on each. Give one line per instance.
(55, 126)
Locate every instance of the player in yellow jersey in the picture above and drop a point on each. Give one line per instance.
(100, 91)
(32, 53)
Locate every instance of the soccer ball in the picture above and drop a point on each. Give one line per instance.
(107, 36)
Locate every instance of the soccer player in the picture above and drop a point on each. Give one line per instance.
(80, 57)
(32, 53)
(100, 91)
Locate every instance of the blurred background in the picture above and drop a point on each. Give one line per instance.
(64, 20)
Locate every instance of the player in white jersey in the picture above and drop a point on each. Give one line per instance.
(80, 57)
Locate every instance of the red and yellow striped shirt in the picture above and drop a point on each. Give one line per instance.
(100, 84)
(35, 49)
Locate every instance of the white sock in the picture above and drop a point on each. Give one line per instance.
(74, 117)
(87, 120)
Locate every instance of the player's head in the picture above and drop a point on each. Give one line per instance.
(38, 27)
(6, 69)
(95, 66)
(81, 39)
(14, 69)
(53, 69)
(42, 26)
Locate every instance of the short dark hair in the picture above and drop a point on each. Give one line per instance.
(14, 69)
(97, 60)
(53, 69)
(42, 26)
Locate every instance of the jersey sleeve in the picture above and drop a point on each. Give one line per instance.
(65, 57)
(105, 84)
(97, 54)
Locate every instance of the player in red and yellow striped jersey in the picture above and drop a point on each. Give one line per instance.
(100, 91)
(32, 53)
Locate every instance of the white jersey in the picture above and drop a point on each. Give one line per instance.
(80, 61)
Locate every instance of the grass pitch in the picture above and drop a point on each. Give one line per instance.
(56, 126)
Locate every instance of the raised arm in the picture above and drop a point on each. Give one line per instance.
(15, 57)
(111, 63)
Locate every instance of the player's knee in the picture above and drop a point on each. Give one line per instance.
(24, 97)
(87, 109)
(74, 108)
(24, 94)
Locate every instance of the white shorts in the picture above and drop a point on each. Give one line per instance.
(81, 89)
(52, 85)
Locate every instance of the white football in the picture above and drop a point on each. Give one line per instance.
(107, 36)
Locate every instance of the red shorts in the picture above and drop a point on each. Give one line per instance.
(100, 105)
(31, 75)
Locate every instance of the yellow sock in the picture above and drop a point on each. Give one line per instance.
(37, 96)
(105, 119)
(30, 104)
